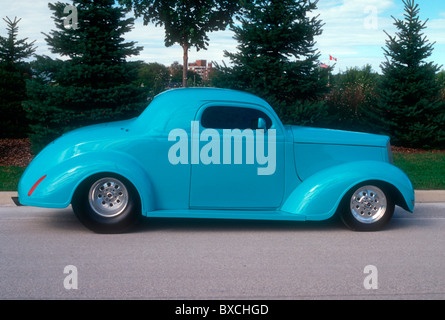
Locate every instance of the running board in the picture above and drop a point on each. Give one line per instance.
(226, 214)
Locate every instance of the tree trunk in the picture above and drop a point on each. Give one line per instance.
(185, 65)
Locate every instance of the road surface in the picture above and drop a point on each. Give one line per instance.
(48, 254)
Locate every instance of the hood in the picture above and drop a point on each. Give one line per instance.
(337, 137)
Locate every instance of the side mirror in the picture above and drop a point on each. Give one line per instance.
(262, 124)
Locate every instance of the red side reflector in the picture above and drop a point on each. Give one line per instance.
(35, 185)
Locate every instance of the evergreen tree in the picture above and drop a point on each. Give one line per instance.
(95, 83)
(96, 48)
(13, 73)
(12, 50)
(441, 80)
(410, 103)
(276, 58)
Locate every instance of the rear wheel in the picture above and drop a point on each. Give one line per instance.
(367, 207)
(107, 203)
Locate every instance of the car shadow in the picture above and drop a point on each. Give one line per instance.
(67, 221)
(233, 225)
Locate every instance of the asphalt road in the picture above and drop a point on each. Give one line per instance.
(210, 259)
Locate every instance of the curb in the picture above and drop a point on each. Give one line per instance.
(422, 196)
(5, 198)
(430, 196)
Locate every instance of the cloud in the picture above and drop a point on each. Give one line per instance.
(152, 39)
(435, 30)
(353, 31)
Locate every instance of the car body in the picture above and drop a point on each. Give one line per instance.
(216, 153)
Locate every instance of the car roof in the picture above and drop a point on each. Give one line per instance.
(209, 94)
(177, 107)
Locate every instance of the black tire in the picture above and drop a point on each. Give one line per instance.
(367, 207)
(107, 203)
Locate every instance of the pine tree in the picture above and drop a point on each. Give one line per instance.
(95, 83)
(410, 103)
(96, 47)
(12, 50)
(276, 56)
(13, 73)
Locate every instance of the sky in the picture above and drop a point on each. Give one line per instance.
(353, 32)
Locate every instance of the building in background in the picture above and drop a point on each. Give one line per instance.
(202, 68)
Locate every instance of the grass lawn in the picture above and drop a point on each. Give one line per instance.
(426, 170)
(9, 178)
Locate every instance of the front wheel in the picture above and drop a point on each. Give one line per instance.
(107, 203)
(367, 207)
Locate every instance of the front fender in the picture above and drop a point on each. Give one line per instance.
(318, 197)
(62, 179)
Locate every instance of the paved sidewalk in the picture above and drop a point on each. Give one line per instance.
(422, 196)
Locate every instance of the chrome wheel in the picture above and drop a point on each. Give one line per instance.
(368, 204)
(108, 197)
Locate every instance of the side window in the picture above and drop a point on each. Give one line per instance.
(233, 118)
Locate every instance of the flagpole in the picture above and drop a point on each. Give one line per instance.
(330, 59)
(329, 77)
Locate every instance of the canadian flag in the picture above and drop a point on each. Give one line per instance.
(332, 58)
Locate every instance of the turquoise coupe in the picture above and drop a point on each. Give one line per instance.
(216, 153)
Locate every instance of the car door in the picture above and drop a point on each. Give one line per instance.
(236, 164)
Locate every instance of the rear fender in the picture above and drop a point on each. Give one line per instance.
(56, 190)
(318, 197)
